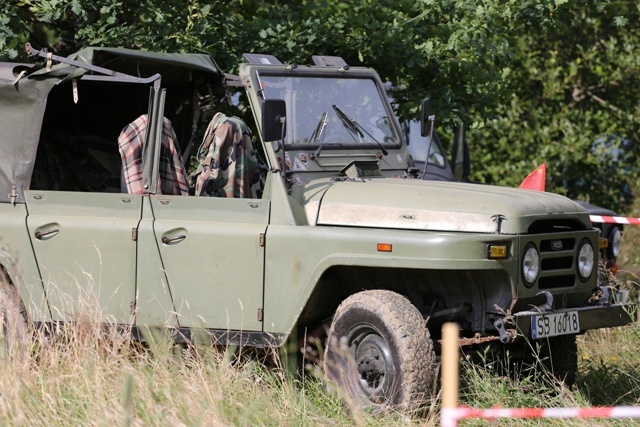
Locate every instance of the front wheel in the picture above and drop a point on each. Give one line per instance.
(554, 358)
(379, 351)
(560, 357)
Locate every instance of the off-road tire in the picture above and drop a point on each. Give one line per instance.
(554, 358)
(14, 338)
(560, 356)
(380, 353)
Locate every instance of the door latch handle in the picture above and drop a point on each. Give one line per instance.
(173, 239)
(42, 235)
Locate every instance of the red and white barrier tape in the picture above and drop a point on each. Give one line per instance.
(614, 219)
(449, 416)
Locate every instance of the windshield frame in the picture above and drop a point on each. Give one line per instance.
(393, 141)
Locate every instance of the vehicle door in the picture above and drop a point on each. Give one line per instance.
(85, 251)
(212, 255)
(80, 225)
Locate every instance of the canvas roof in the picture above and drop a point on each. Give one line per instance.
(23, 102)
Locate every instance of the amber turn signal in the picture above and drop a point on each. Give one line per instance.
(384, 247)
(497, 252)
(603, 243)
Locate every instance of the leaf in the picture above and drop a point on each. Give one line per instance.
(76, 7)
(620, 21)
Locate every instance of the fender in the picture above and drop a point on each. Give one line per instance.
(290, 286)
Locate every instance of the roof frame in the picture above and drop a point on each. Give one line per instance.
(108, 75)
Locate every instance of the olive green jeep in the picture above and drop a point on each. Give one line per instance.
(303, 223)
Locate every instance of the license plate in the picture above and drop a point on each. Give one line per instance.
(554, 324)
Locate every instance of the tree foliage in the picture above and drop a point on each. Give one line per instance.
(573, 104)
(456, 52)
(551, 80)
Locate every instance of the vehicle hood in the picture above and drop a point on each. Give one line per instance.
(438, 206)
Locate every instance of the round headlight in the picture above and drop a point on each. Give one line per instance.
(530, 265)
(615, 242)
(586, 259)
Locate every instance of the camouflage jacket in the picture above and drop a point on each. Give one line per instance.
(227, 162)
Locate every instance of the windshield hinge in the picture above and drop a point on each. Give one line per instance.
(134, 234)
(261, 240)
(14, 195)
(233, 80)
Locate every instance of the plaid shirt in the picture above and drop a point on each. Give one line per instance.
(171, 173)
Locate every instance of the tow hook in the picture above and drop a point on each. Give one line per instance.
(506, 336)
(548, 305)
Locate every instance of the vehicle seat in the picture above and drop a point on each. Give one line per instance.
(227, 161)
(171, 173)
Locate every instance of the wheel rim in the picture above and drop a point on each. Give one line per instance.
(376, 372)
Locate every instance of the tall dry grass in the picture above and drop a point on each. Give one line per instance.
(96, 376)
(89, 372)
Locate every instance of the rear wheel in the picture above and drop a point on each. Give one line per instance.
(379, 351)
(15, 336)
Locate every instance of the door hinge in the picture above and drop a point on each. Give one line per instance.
(132, 306)
(134, 234)
(261, 240)
(260, 315)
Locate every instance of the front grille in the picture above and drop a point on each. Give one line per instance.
(556, 281)
(557, 259)
(548, 245)
(550, 264)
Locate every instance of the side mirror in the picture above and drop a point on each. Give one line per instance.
(274, 112)
(425, 112)
(460, 157)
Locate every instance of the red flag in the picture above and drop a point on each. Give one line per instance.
(535, 180)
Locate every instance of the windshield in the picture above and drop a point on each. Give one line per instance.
(331, 111)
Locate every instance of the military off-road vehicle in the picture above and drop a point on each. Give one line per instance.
(310, 227)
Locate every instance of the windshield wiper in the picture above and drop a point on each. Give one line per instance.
(316, 136)
(319, 130)
(350, 124)
(356, 128)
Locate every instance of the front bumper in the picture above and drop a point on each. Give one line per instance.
(591, 317)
